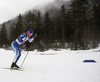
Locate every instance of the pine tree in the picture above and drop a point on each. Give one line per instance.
(38, 24)
(48, 30)
(78, 15)
(39, 31)
(63, 22)
(69, 32)
(3, 36)
(96, 11)
(18, 29)
(29, 21)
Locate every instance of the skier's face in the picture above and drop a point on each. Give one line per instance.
(29, 35)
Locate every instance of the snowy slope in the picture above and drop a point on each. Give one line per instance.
(52, 66)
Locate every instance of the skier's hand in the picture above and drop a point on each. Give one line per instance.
(35, 35)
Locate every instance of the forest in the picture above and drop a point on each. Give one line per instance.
(73, 25)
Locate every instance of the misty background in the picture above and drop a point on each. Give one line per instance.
(64, 24)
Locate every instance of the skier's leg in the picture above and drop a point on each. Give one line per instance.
(17, 52)
(18, 55)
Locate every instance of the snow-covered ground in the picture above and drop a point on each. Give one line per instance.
(52, 66)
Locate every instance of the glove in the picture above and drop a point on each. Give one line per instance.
(35, 35)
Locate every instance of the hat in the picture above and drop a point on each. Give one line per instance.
(30, 31)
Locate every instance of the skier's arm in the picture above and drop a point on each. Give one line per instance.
(30, 39)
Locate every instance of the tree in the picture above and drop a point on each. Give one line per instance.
(18, 29)
(66, 30)
(63, 22)
(48, 30)
(78, 15)
(39, 24)
(39, 31)
(29, 21)
(96, 10)
(3, 36)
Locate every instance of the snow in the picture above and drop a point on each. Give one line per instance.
(52, 66)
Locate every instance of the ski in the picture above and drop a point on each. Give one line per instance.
(20, 69)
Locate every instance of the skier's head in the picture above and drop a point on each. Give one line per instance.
(29, 32)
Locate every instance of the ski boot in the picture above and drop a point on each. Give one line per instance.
(14, 66)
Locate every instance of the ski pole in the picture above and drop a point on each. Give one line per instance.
(26, 55)
(28, 51)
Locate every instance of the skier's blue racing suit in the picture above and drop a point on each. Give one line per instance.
(16, 45)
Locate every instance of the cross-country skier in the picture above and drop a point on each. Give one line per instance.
(16, 46)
